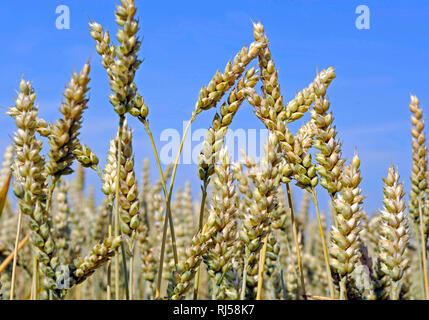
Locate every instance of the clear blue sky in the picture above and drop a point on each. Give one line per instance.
(185, 42)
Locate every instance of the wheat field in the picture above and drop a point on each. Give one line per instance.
(245, 237)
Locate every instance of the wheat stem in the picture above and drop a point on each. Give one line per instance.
(118, 181)
(164, 234)
(243, 285)
(168, 211)
(423, 245)
(164, 187)
(325, 250)
(9, 259)
(131, 277)
(343, 288)
(261, 267)
(109, 263)
(15, 257)
(35, 286)
(295, 238)
(200, 227)
(124, 265)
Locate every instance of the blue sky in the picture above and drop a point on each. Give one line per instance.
(185, 42)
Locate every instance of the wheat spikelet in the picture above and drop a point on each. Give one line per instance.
(419, 165)
(297, 107)
(393, 231)
(245, 188)
(82, 268)
(329, 158)
(30, 185)
(279, 215)
(304, 171)
(109, 172)
(257, 221)
(121, 62)
(209, 96)
(147, 258)
(345, 231)
(61, 222)
(129, 211)
(63, 138)
(85, 156)
(222, 215)
(188, 213)
(100, 219)
(215, 135)
(187, 267)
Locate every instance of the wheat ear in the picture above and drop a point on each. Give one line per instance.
(345, 232)
(394, 232)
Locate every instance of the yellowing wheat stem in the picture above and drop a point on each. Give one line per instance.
(325, 249)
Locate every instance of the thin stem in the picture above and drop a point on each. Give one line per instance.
(124, 265)
(9, 259)
(261, 267)
(164, 234)
(295, 238)
(343, 288)
(200, 227)
(109, 263)
(15, 257)
(164, 187)
(161, 261)
(118, 177)
(325, 250)
(131, 277)
(423, 244)
(283, 285)
(395, 290)
(419, 246)
(35, 294)
(244, 284)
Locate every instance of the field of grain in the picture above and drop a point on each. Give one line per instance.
(245, 237)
